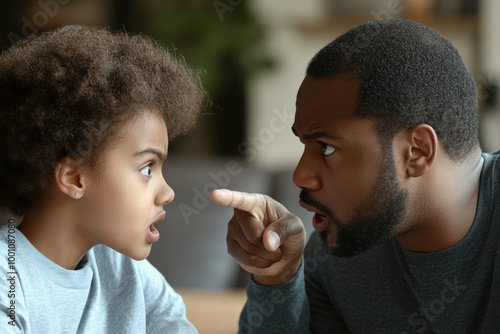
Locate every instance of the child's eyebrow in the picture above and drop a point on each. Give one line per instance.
(153, 151)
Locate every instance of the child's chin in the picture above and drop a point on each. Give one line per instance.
(139, 255)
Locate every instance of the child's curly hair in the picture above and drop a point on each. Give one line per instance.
(66, 94)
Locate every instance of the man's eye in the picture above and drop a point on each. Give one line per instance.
(146, 171)
(327, 149)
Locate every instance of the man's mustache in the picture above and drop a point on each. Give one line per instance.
(315, 204)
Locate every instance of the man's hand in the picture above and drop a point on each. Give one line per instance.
(263, 237)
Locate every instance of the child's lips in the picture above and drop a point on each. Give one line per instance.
(153, 233)
(160, 217)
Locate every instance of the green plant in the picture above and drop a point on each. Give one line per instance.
(217, 46)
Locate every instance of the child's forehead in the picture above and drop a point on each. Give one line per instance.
(143, 118)
(143, 130)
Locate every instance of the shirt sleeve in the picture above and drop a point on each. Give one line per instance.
(276, 309)
(165, 310)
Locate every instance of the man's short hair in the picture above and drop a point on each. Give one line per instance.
(410, 74)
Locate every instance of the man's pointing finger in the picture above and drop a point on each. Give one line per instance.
(237, 200)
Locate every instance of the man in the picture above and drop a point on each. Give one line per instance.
(405, 203)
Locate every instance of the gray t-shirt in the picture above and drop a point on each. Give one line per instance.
(108, 293)
(388, 289)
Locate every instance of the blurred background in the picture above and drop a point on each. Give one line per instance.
(254, 54)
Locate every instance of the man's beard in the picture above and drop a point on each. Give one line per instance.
(373, 221)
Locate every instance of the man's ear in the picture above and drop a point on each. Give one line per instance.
(69, 178)
(422, 147)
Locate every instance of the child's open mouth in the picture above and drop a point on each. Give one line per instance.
(153, 233)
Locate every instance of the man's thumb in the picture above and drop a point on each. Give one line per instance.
(277, 232)
(273, 241)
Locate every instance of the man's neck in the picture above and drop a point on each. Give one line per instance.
(448, 208)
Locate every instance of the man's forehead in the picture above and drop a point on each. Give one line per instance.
(318, 106)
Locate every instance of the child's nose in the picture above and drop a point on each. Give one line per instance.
(165, 194)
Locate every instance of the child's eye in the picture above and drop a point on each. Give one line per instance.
(327, 149)
(146, 170)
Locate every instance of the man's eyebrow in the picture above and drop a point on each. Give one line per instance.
(316, 135)
(153, 151)
(320, 134)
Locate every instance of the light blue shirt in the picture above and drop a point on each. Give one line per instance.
(107, 293)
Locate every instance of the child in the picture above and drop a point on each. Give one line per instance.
(86, 117)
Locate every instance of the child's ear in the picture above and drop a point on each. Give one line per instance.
(421, 150)
(69, 178)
